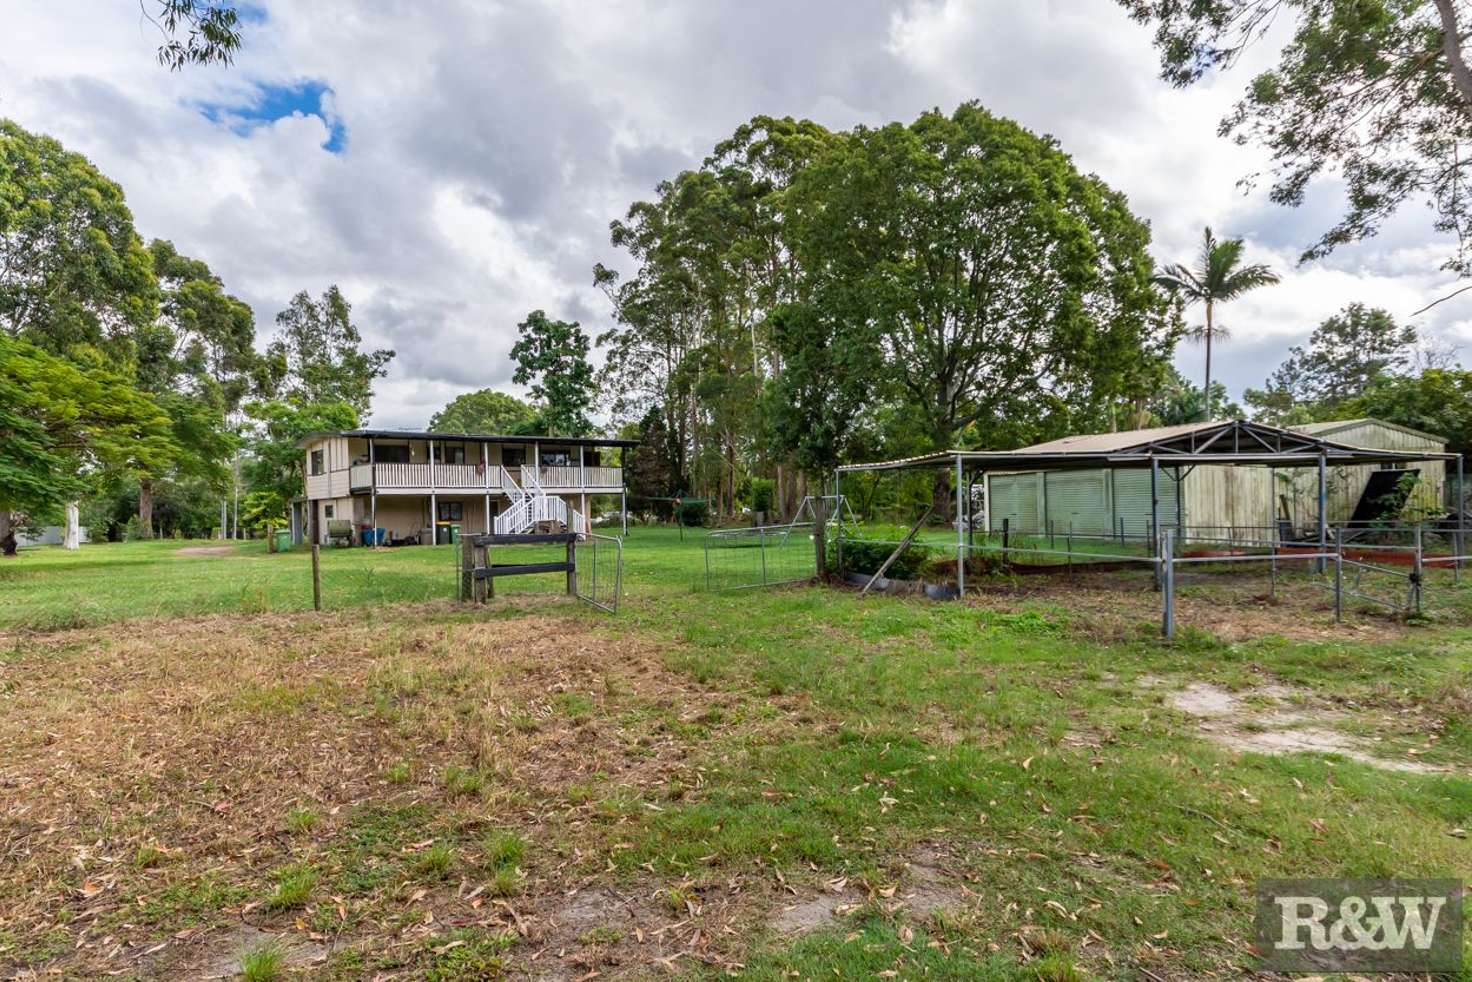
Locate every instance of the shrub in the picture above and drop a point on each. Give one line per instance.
(866, 556)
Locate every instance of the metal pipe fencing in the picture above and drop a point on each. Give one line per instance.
(761, 556)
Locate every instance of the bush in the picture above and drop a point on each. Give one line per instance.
(763, 491)
(693, 513)
(866, 556)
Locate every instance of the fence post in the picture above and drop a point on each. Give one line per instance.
(467, 567)
(1339, 576)
(1273, 568)
(761, 543)
(1006, 523)
(592, 542)
(485, 559)
(820, 532)
(572, 568)
(1068, 543)
(1168, 585)
(316, 576)
(478, 586)
(1416, 573)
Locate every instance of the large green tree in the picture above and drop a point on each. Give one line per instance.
(1345, 355)
(991, 281)
(695, 334)
(199, 360)
(1377, 93)
(63, 426)
(317, 355)
(317, 377)
(75, 279)
(1438, 400)
(552, 358)
(1217, 278)
(485, 411)
(73, 272)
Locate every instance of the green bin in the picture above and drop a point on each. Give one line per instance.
(283, 541)
(455, 534)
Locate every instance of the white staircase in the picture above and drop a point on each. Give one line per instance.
(531, 505)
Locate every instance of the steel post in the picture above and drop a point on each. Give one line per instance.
(960, 531)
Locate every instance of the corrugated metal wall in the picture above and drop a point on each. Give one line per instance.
(1094, 501)
(1217, 500)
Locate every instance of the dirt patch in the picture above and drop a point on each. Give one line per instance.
(1230, 606)
(205, 551)
(925, 886)
(221, 957)
(1276, 719)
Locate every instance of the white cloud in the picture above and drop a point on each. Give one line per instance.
(489, 145)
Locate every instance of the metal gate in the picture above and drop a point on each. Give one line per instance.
(600, 570)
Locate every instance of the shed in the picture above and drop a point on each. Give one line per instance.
(1209, 500)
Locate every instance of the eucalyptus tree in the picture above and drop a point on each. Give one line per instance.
(695, 320)
(1377, 93)
(75, 279)
(964, 264)
(1217, 278)
(552, 358)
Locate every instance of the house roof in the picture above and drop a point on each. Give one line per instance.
(1227, 442)
(377, 434)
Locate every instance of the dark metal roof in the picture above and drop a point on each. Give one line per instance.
(1230, 442)
(377, 434)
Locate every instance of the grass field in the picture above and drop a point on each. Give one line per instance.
(203, 777)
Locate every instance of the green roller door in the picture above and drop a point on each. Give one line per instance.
(1079, 500)
(1014, 498)
(1132, 500)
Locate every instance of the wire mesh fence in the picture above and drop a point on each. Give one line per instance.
(600, 571)
(765, 555)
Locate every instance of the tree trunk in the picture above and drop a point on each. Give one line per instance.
(1208, 361)
(7, 535)
(145, 508)
(72, 539)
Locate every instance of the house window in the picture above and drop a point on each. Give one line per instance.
(451, 511)
(592, 458)
(319, 463)
(391, 453)
(449, 453)
(513, 457)
(327, 511)
(556, 458)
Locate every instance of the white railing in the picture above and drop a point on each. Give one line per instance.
(468, 476)
(558, 477)
(465, 476)
(458, 476)
(532, 505)
(603, 477)
(402, 475)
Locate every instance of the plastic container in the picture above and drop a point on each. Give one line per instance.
(283, 541)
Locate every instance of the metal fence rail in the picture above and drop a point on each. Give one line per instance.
(600, 571)
(765, 555)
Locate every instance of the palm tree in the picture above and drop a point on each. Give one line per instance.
(1217, 278)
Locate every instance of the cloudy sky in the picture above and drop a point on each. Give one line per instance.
(453, 165)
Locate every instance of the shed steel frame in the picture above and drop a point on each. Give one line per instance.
(1233, 443)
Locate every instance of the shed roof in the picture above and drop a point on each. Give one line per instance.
(1339, 425)
(1229, 442)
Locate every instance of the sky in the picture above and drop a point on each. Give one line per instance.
(455, 165)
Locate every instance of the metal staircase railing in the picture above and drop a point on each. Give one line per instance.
(531, 504)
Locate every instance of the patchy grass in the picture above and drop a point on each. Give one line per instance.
(795, 781)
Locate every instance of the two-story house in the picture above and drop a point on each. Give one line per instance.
(412, 486)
